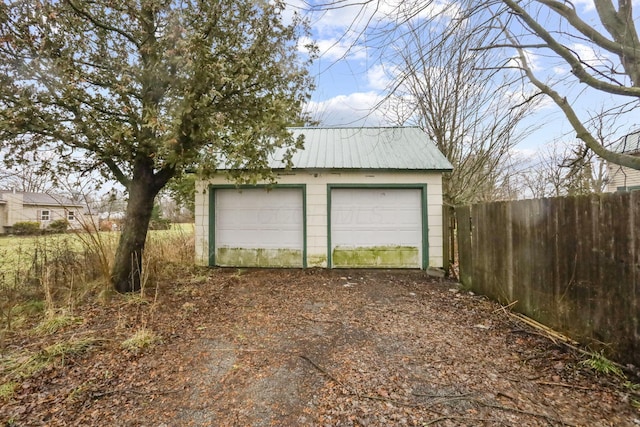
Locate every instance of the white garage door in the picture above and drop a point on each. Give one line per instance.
(376, 228)
(259, 228)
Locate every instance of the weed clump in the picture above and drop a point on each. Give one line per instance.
(599, 363)
(55, 322)
(140, 340)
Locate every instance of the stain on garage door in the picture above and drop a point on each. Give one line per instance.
(257, 227)
(377, 227)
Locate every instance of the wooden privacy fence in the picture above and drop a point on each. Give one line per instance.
(572, 263)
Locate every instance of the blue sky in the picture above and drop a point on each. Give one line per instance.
(351, 78)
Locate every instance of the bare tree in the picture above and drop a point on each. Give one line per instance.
(471, 111)
(586, 172)
(26, 176)
(596, 52)
(562, 169)
(545, 177)
(588, 53)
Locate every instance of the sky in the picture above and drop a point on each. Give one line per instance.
(351, 78)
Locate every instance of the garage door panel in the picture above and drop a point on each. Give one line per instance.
(259, 228)
(376, 228)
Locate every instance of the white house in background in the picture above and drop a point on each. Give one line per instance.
(622, 178)
(18, 206)
(355, 197)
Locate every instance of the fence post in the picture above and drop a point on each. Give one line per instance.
(464, 234)
(449, 236)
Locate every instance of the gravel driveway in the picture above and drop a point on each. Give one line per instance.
(337, 348)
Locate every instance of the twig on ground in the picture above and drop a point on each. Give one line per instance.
(458, 418)
(354, 391)
(445, 396)
(504, 308)
(556, 337)
(547, 331)
(508, 396)
(547, 417)
(98, 395)
(563, 385)
(324, 371)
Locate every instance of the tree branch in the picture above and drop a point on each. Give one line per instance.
(591, 33)
(102, 25)
(510, 45)
(117, 172)
(581, 131)
(576, 66)
(621, 26)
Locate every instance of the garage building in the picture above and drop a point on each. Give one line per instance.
(355, 198)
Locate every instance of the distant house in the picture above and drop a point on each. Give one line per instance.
(622, 178)
(18, 206)
(355, 197)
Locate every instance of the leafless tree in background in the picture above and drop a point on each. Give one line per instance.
(597, 54)
(586, 54)
(562, 169)
(471, 111)
(26, 176)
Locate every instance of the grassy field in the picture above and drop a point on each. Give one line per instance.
(17, 252)
(55, 270)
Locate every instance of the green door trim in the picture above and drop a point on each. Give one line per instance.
(423, 203)
(212, 213)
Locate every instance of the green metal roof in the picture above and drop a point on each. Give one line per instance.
(392, 148)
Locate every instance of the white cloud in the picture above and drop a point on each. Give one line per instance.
(534, 61)
(380, 76)
(355, 109)
(587, 54)
(352, 17)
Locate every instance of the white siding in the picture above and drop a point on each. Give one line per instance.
(316, 188)
(16, 209)
(3, 216)
(620, 176)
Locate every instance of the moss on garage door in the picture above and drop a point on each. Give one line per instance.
(376, 256)
(243, 257)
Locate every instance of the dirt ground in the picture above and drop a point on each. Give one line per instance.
(314, 348)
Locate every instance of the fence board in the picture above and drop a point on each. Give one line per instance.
(463, 219)
(571, 263)
(521, 244)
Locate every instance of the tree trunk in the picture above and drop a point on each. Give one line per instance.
(127, 272)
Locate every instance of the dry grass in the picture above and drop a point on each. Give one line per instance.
(44, 279)
(56, 321)
(58, 272)
(25, 365)
(141, 339)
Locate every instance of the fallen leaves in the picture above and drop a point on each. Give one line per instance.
(287, 347)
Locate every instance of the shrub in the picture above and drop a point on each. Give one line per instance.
(26, 228)
(59, 226)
